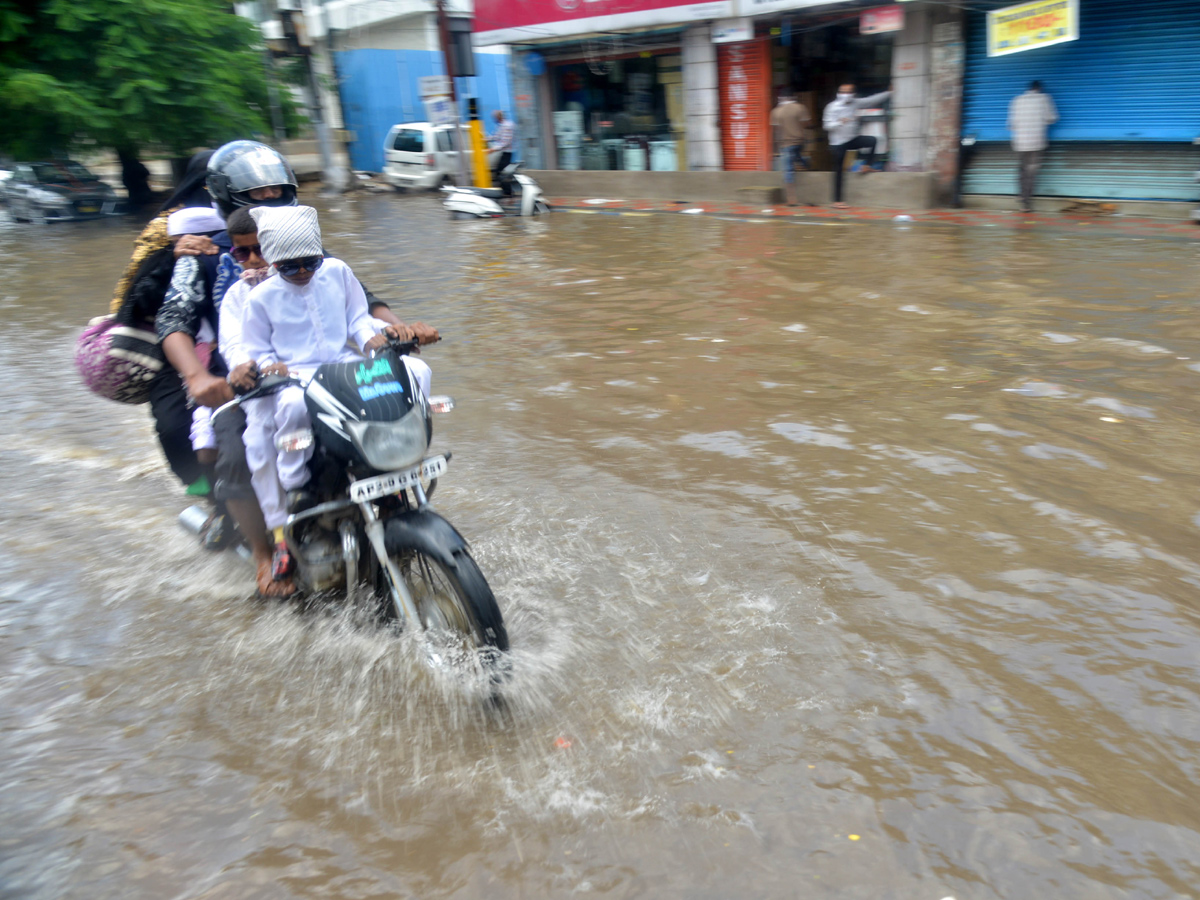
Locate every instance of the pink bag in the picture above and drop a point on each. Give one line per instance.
(118, 362)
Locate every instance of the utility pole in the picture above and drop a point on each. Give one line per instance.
(448, 60)
(272, 86)
(331, 173)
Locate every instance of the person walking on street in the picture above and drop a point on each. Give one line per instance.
(1029, 115)
(841, 124)
(789, 125)
(502, 140)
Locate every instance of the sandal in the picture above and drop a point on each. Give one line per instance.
(270, 588)
(282, 563)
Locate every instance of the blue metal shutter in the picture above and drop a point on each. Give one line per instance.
(1098, 170)
(1133, 75)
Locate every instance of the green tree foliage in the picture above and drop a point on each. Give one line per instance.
(174, 74)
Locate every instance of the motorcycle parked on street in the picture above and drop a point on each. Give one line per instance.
(370, 530)
(491, 203)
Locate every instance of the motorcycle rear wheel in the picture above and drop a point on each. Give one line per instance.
(454, 603)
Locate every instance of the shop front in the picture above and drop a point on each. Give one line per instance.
(620, 111)
(1125, 78)
(810, 51)
(600, 86)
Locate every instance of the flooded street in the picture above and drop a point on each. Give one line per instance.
(838, 560)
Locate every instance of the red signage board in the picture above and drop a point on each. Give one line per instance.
(744, 73)
(881, 19)
(506, 21)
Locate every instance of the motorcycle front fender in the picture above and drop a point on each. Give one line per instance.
(427, 532)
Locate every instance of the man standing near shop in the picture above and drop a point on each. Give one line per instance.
(1029, 115)
(502, 140)
(789, 125)
(841, 124)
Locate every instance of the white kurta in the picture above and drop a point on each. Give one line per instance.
(302, 327)
(229, 329)
(308, 326)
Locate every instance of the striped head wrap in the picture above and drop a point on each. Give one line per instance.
(287, 232)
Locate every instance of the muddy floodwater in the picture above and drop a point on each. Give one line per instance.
(839, 561)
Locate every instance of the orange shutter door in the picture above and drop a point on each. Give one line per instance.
(744, 70)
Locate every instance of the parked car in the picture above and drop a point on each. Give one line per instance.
(422, 155)
(45, 191)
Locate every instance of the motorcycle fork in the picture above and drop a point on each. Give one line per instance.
(402, 599)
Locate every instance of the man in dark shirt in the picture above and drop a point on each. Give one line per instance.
(789, 127)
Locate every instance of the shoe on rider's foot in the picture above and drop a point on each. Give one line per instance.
(220, 532)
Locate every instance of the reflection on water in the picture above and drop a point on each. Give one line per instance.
(841, 561)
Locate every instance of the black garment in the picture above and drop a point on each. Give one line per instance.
(233, 474)
(147, 288)
(862, 142)
(185, 310)
(501, 164)
(191, 190)
(173, 423)
(169, 401)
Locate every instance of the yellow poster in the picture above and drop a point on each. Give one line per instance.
(1028, 26)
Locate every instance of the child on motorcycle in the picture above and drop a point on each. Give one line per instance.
(313, 313)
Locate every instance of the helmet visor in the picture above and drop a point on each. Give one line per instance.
(258, 167)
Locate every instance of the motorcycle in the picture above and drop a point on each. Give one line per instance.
(366, 526)
(491, 203)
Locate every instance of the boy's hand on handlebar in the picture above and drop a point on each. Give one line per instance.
(377, 343)
(209, 390)
(245, 376)
(275, 369)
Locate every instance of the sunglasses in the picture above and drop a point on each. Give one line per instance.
(242, 254)
(293, 266)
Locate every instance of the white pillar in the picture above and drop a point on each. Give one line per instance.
(701, 99)
(910, 81)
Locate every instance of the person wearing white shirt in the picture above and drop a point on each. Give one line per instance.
(840, 120)
(1029, 115)
(307, 316)
(250, 482)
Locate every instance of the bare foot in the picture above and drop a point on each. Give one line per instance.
(840, 205)
(268, 586)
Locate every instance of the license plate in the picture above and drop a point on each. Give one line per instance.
(89, 209)
(395, 482)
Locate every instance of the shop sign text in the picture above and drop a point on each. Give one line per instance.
(1028, 26)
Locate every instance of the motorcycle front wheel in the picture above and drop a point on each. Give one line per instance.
(454, 602)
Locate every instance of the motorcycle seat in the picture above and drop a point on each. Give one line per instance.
(490, 193)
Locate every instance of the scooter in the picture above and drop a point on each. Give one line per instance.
(365, 527)
(490, 203)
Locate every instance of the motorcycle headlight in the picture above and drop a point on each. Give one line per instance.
(391, 445)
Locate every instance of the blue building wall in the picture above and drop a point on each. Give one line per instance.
(378, 89)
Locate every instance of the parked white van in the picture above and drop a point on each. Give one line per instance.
(422, 155)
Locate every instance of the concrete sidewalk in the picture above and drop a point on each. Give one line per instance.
(1083, 224)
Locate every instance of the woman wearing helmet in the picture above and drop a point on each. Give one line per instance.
(247, 173)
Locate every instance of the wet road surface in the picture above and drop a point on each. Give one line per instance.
(839, 560)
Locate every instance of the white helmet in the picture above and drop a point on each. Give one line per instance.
(239, 167)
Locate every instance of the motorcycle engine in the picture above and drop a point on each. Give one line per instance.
(319, 556)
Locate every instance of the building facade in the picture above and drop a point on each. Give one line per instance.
(1125, 78)
(650, 84)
